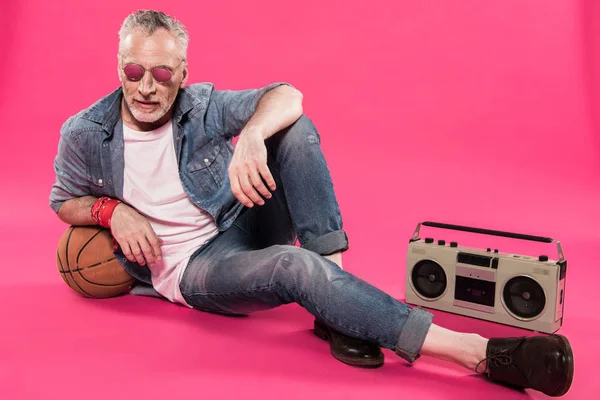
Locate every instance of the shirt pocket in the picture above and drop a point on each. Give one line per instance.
(208, 166)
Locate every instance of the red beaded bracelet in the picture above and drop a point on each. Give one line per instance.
(103, 209)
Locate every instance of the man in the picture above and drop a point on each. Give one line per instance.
(213, 227)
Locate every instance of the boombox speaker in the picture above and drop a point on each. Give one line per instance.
(510, 289)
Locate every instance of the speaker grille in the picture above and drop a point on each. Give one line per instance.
(429, 279)
(524, 297)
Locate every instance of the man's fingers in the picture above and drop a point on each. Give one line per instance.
(155, 244)
(137, 252)
(237, 190)
(266, 174)
(258, 184)
(147, 251)
(127, 251)
(249, 190)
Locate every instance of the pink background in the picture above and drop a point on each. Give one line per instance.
(470, 112)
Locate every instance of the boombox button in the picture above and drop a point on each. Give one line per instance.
(453, 244)
(442, 242)
(428, 240)
(543, 258)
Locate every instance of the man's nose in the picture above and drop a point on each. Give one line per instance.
(147, 85)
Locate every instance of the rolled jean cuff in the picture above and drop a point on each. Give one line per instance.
(413, 334)
(329, 243)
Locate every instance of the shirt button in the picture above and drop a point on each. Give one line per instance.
(100, 180)
(110, 182)
(105, 144)
(206, 160)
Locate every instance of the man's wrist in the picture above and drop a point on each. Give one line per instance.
(102, 211)
(253, 130)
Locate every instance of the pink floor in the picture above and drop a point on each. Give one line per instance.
(429, 111)
(58, 345)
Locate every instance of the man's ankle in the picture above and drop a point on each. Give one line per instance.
(465, 349)
(475, 352)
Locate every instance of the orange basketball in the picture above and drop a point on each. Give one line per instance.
(87, 264)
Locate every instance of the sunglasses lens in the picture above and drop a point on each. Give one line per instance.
(133, 72)
(161, 74)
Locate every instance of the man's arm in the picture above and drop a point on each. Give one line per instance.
(70, 197)
(72, 201)
(77, 211)
(277, 109)
(271, 108)
(257, 114)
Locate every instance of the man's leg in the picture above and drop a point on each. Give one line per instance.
(296, 157)
(229, 277)
(304, 207)
(235, 274)
(300, 164)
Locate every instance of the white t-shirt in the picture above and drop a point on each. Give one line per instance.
(153, 187)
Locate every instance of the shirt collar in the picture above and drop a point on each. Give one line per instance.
(107, 110)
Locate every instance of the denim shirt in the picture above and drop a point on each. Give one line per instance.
(90, 158)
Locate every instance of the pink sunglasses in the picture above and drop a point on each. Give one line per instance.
(135, 72)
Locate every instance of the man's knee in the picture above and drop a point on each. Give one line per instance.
(303, 132)
(305, 129)
(301, 267)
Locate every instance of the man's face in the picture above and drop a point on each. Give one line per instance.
(148, 102)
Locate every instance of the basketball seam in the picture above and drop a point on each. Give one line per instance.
(60, 263)
(69, 265)
(78, 270)
(91, 266)
(95, 265)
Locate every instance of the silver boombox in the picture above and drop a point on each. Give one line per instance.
(511, 289)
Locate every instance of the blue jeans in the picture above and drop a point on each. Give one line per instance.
(255, 265)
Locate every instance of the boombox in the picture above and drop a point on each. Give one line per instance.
(512, 289)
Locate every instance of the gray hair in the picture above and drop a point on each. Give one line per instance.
(149, 21)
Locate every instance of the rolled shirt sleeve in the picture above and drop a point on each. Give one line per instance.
(230, 110)
(70, 171)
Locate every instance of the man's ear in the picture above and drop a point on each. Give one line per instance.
(119, 68)
(185, 77)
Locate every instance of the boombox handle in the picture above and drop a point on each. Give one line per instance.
(489, 232)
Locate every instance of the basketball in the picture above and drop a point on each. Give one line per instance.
(87, 264)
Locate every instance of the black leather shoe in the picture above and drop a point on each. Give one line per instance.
(543, 363)
(355, 352)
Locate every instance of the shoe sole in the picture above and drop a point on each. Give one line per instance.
(323, 335)
(565, 388)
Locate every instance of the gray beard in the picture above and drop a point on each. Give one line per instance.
(143, 116)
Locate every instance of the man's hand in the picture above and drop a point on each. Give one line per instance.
(135, 235)
(248, 165)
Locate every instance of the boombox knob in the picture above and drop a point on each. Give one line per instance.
(543, 258)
